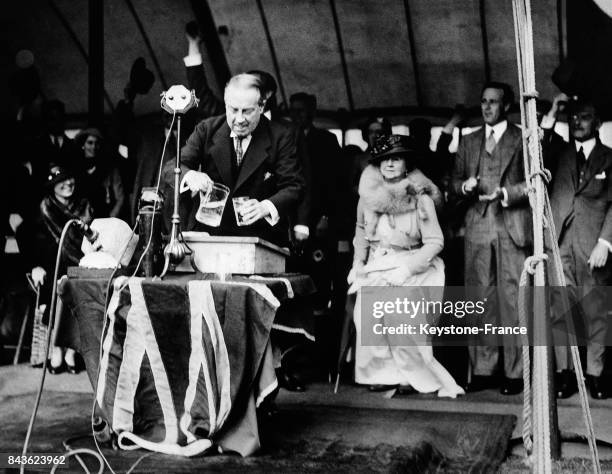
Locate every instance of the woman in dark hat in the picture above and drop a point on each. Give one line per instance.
(59, 205)
(397, 242)
(97, 174)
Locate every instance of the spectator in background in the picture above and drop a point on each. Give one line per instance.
(57, 208)
(581, 198)
(315, 220)
(138, 143)
(53, 147)
(315, 227)
(397, 242)
(97, 174)
(488, 177)
(209, 104)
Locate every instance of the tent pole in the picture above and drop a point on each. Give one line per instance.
(96, 62)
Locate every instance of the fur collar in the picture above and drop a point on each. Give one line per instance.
(392, 198)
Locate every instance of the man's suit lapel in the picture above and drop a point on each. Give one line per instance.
(506, 146)
(477, 152)
(594, 165)
(221, 151)
(256, 153)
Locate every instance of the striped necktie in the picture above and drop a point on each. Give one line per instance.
(238, 148)
(490, 143)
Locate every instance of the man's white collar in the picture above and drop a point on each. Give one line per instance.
(498, 129)
(587, 146)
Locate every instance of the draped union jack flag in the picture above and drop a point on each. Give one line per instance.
(185, 363)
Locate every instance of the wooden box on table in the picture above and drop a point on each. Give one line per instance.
(236, 255)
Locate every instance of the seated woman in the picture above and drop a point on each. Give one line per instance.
(56, 209)
(397, 242)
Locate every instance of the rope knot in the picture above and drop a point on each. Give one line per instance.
(543, 173)
(530, 95)
(532, 261)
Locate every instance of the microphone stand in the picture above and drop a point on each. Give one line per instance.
(177, 100)
(176, 249)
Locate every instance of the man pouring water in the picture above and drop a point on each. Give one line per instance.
(246, 162)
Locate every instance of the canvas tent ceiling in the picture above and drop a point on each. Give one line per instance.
(426, 54)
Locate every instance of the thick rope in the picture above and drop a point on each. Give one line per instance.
(538, 401)
(529, 268)
(539, 201)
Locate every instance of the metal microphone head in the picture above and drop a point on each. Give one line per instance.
(90, 234)
(178, 99)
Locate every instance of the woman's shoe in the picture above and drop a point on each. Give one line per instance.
(72, 369)
(56, 370)
(71, 361)
(381, 388)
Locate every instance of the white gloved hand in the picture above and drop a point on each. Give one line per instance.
(38, 276)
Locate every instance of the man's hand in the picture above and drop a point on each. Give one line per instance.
(300, 236)
(197, 181)
(38, 276)
(253, 210)
(558, 105)
(496, 195)
(559, 102)
(599, 256)
(470, 185)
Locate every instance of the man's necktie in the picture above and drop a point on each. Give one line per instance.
(490, 143)
(239, 152)
(580, 161)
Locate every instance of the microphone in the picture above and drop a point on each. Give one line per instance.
(90, 234)
(178, 99)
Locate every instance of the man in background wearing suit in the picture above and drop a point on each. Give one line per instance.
(254, 157)
(488, 177)
(316, 214)
(581, 199)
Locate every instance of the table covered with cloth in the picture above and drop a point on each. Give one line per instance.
(184, 361)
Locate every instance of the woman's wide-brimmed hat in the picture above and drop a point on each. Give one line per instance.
(57, 174)
(86, 132)
(391, 145)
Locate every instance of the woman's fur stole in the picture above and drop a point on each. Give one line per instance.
(380, 197)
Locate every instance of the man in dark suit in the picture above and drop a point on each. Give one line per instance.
(254, 157)
(315, 227)
(488, 176)
(315, 219)
(581, 201)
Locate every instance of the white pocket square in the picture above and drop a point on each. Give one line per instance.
(267, 175)
(601, 175)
